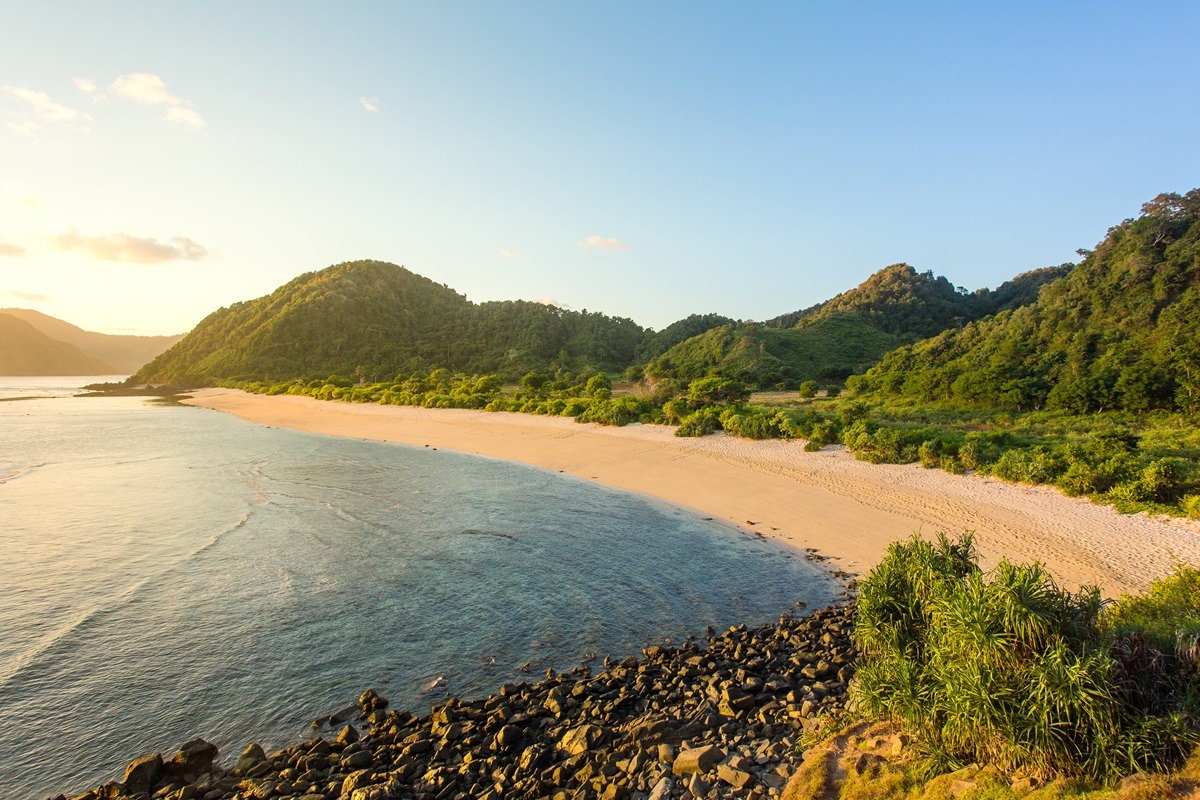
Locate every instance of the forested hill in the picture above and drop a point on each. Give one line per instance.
(24, 350)
(375, 320)
(845, 335)
(901, 301)
(1120, 331)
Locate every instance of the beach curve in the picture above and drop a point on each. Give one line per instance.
(826, 501)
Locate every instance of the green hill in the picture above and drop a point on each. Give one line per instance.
(125, 353)
(660, 342)
(1118, 332)
(845, 335)
(376, 320)
(830, 348)
(899, 300)
(24, 350)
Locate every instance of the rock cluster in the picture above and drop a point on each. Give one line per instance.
(714, 719)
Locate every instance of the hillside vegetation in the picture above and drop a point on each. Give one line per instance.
(1119, 332)
(375, 321)
(845, 335)
(828, 350)
(372, 320)
(24, 350)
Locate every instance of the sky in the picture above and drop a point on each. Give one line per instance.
(647, 160)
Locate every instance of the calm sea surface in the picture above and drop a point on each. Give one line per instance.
(170, 572)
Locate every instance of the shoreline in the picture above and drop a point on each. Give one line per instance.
(718, 717)
(823, 502)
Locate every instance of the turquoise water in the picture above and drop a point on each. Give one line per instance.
(171, 572)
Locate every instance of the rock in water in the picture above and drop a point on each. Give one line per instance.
(349, 735)
(251, 756)
(193, 759)
(141, 774)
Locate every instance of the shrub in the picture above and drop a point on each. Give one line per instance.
(614, 411)
(751, 424)
(1009, 669)
(1190, 505)
(700, 423)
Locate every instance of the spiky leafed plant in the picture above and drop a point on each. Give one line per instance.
(1006, 668)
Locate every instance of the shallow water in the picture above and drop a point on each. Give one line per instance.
(171, 572)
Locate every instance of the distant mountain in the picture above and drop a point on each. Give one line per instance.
(24, 350)
(376, 320)
(845, 335)
(126, 354)
(1120, 331)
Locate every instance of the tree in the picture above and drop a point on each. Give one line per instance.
(715, 389)
(599, 386)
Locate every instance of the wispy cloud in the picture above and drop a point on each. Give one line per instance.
(547, 301)
(10, 249)
(84, 85)
(511, 255)
(185, 116)
(29, 297)
(149, 89)
(602, 244)
(42, 111)
(44, 108)
(144, 88)
(26, 127)
(370, 103)
(20, 193)
(127, 248)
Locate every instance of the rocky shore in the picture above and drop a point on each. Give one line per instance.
(715, 718)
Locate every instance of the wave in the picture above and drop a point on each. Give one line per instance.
(87, 618)
(493, 534)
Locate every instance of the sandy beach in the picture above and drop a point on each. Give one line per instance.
(842, 508)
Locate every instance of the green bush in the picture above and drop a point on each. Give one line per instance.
(700, 423)
(751, 423)
(1008, 669)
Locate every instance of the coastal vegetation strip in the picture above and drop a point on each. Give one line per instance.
(1084, 377)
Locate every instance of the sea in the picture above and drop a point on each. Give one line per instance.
(168, 572)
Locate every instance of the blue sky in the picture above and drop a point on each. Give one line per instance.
(158, 160)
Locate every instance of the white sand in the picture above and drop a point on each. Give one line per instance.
(843, 508)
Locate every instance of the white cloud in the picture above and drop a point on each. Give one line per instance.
(20, 193)
(24, 128)
(29, 297)
(370, 103)
(511, 255)
(148, 89)
(144, 88)
(184, 116)
(131, 249)
(10, 249)
(602, 244)
(44, 110)
(547, 301)
(84, 85)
